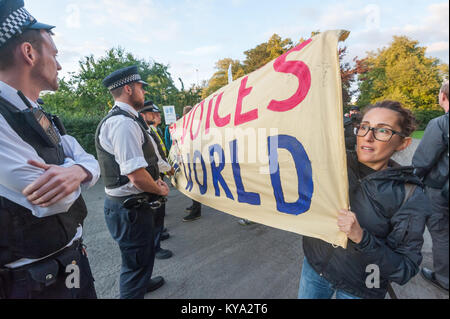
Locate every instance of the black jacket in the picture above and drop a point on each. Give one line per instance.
(350, 137)
(431, 156)
(350, 124)
(393, 232)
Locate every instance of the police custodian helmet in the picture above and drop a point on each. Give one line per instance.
(123, 77)
(150, 107)
(15, 19)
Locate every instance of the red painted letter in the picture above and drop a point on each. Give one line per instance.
(208, 115)
(220, 121)
(173, 131)
(193, 137)
(249, 116)
(301, 71)
(186, 120)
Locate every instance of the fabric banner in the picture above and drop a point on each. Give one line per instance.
(269, 147)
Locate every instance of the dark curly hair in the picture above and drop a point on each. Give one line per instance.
(407, 121)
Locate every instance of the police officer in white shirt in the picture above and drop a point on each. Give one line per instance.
(129, 167)
(41, 173)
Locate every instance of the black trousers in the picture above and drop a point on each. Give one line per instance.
(133, 230)
(66, 275)
(196, 206)
(159, 225)
(438, 226)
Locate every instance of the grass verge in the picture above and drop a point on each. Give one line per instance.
(418, 134)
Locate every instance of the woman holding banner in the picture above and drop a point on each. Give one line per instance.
(387, 219)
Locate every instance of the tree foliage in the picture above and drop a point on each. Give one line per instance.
(348, 73)
(400, 72)
(403, 73)
(84, 95)
(255, 59)
(220, 78)
(266, 52)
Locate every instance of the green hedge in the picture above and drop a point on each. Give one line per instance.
(423, 117)
(83, 129)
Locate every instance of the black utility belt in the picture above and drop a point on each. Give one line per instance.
(143, 200)
(43, 273)
(60, 254)
(147, 196)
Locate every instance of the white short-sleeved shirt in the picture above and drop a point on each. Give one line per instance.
(16, 174)
(122, 137)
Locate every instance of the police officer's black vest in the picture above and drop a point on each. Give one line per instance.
(110, 170)
(23, 235)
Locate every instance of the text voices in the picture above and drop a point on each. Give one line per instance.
(297, 68)
(302, 163)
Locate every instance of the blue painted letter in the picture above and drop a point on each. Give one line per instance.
(216, 170)
(203, 187)
(243, 196)
(304, 173)
(190, 183)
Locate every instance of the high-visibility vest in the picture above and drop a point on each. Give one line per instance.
(161, 142)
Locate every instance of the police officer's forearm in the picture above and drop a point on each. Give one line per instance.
(145, 182)
(54, 184)
(74, 151)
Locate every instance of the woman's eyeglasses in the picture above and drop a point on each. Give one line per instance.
(381, 134)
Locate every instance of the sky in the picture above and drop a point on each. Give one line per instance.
(192, 35)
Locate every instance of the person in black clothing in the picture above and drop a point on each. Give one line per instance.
(195, 210)
(350, 124)
(151, 113)
(386, 222)
(431, 163)
(354, 110)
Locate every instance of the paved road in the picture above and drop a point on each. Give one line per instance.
(215, 257)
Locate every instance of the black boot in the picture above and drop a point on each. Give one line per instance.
(193, 216)
(164, 236)
(163, 254)
(155, 283)
(429, 276)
